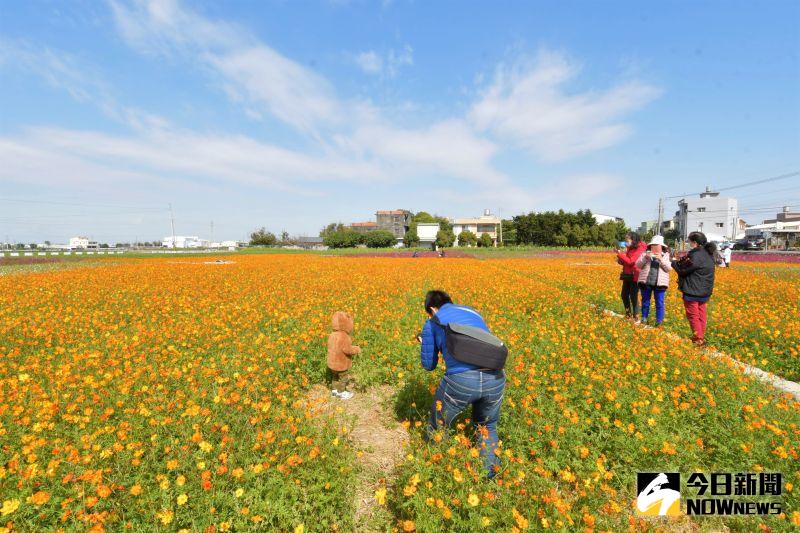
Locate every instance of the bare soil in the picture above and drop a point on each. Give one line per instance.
(378, 438)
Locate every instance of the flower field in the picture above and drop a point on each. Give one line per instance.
(753, 314)
(166, 395)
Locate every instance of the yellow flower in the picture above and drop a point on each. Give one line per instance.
(239, 493)
(136, 490)
(182, 499)
(473, 500)
(299, 529)
(206, 447)
(9, 506)
(380, 496)
(181, 481)
(165, 517)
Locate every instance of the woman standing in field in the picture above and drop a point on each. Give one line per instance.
(627, 257)
(654, 267)
(696, 282)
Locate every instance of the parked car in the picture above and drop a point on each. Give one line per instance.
(749, 244)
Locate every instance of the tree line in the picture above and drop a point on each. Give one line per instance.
(550, 228)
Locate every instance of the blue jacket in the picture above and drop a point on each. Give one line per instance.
(433, 337)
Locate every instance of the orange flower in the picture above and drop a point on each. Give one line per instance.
(40, 498)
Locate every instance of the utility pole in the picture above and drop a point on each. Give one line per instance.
(660, 215)
(172, 222)
(500, 212)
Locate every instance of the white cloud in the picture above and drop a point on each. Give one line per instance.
(249, 71)
(372, 62)
(448, 148)
(581, 188)
(528, 104)
(348, 141)
(69, 73)
(66, 157)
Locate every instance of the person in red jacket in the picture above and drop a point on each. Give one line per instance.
(627, 256)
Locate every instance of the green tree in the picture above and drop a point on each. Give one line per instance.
(379, 239)
(343, 238)
(425, 217)
(467, 238)
(284, 236)
(330, 228)
(485, 241)
(262, 237)
(671, 237)
(509, 233)
(445, 238)
(411, 239)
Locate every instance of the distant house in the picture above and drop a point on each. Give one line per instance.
(711, 214)
(310, 243)
(364, 227)
(785, 227)
(395, 222)
(600, 218)
(183, 241)
(486, 223)
(426, 231)
(647, 226)
(82, 243)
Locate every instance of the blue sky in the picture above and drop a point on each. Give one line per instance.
(293, 114)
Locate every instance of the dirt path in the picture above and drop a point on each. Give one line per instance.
(378, 438)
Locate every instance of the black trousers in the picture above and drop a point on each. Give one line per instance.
(630, 297)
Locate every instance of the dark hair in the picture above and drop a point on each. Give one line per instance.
(436, 299)
(700, 238)
(635, 239)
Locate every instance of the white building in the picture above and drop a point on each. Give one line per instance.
(600, 218)
(426, 231)
(82, 243)
(710, 214)
(486, 223)
(647, 226)
(182, 241)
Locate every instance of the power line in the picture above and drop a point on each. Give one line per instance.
(739, 186)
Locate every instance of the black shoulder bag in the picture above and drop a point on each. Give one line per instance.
(474, 346)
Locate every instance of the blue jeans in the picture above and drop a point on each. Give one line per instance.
(659, 295)
(484, 390)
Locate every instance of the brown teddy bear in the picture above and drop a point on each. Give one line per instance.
(340, 354)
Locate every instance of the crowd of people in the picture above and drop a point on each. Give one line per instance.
(645, 272)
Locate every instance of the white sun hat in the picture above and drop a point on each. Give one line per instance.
(657, 239)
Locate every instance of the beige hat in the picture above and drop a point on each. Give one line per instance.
(657, 239)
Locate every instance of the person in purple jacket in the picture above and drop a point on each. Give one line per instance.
(462, 384)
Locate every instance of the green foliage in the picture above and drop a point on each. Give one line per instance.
(485, 241)
(343, 238)
(379, 239)
(425, 217)
(445, 238)
(262, 237)
(565, 229)
(467, 238)
(411, 239)
(332, 227)
(671, 236)
(509, 233)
